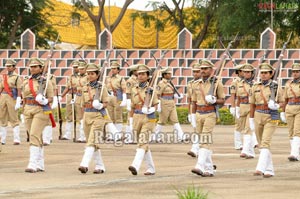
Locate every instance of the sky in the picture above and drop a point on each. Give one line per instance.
(136, 4)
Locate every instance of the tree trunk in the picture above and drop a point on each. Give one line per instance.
(13, 32)
(200, 37)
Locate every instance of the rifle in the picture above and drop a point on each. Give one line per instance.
(210, 53)
(60, 121)
(261, 59)
(102, 77)
(73, 112)
(229, 55)
(175, 89)
(274, 85)
(77, 53)
(218, 72)
(153, 82)
(46, 70)
(124, 61)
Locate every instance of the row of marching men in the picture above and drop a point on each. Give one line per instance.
(253, 105)
(257, 114)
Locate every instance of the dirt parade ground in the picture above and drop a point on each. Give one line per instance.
(233, 177)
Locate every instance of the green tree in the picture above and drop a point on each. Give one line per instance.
(251, 18)
(18, 15)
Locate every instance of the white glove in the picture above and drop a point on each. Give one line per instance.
(273, 106)
(282, 117)
(97, 105)
(131, 123)
(111, 93)
(41, 99)
(22, 118)
(59, 99)
(190, 118)
(178, 97)
(210, 99)
(251, 124)
(147, 111)
(128, 104)
(237, 112)
(124, 100)
(158, 107)
(54, 103)
(193, 120)
(18, 103)
(73, 100)
(232, 111)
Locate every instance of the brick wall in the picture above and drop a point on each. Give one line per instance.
(179, 60)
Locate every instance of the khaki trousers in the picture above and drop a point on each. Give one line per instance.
(8, 112)
(168, 112)
(143, 126)
(35, 120)
(264, 129)
(115, 111)
(292, 113)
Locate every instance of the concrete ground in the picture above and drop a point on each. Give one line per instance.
(233, 178)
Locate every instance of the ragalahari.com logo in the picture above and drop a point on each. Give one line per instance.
(288, 6)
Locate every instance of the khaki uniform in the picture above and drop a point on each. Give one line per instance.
(233, 89)
(94, 119)
(264, 125)
(143, 124)
(8, 100)
(73, 83)
(292, 110)
(243, 90)
(206, 114)
(36, 116)
(168, 107)
(115, 85)
(130, 83)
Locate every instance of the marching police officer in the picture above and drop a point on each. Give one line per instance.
(95, 118)
(10, 101)
(116, 86)
(291, 111)
(72, 89)
(166, 105)
(36, 113)
(262, 118)
(196, 69)
(144, 120)
(130, 83)
(82, 81)
(238, 145)
(204, 116)
(242, 113)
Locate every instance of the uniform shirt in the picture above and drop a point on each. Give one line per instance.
(26, 92)
(89, 92)
(164, 87)
(138, 95)
(130, 83)
(189, 89)
(13, 80)
(82, 81)
(260, 94)
(115, 82)
(233, 86)
(73, 82)
(53, 81)
(292, 89)
(201, 85)
(243, 89)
